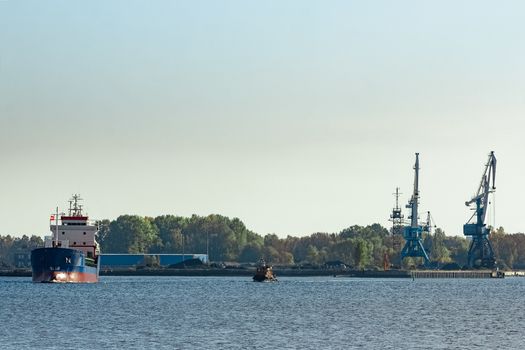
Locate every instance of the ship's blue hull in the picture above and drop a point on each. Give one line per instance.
(62, 265)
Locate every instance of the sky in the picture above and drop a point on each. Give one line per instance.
(294, 116)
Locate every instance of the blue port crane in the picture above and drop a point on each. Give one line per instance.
(412, 234)
(480, 253)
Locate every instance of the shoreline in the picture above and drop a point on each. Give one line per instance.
(204, 272)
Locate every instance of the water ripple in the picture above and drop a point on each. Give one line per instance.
(235, 313)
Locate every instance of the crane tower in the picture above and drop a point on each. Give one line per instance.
(480, 253)
(412, 234)
(397, 217)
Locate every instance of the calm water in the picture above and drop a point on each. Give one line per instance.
(235, 313)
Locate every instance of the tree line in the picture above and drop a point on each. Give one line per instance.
(228, 240)
(10, 246)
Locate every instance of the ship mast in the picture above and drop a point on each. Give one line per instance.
(75, 209)
(56, 229)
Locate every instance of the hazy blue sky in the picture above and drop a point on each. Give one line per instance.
(295, 116)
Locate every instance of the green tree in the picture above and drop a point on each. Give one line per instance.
(313, 256)
(439, 251)
(271, 255)
(170, 229)
(130, 234)
(287, 258)
(458, 248)
(505, 248)
(362, 253)
(9, 246)
(251, 252)
(103, 230)
(343, 251)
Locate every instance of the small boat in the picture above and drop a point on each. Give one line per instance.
(264, 273)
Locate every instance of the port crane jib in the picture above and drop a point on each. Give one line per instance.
(481, 254)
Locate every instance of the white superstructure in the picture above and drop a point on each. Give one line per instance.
(74, 230)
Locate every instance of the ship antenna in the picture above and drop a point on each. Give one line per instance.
(76, 208)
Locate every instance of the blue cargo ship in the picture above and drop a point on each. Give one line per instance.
(71, 254)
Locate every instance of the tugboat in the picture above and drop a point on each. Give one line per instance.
(72, 253)
(264, 273)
